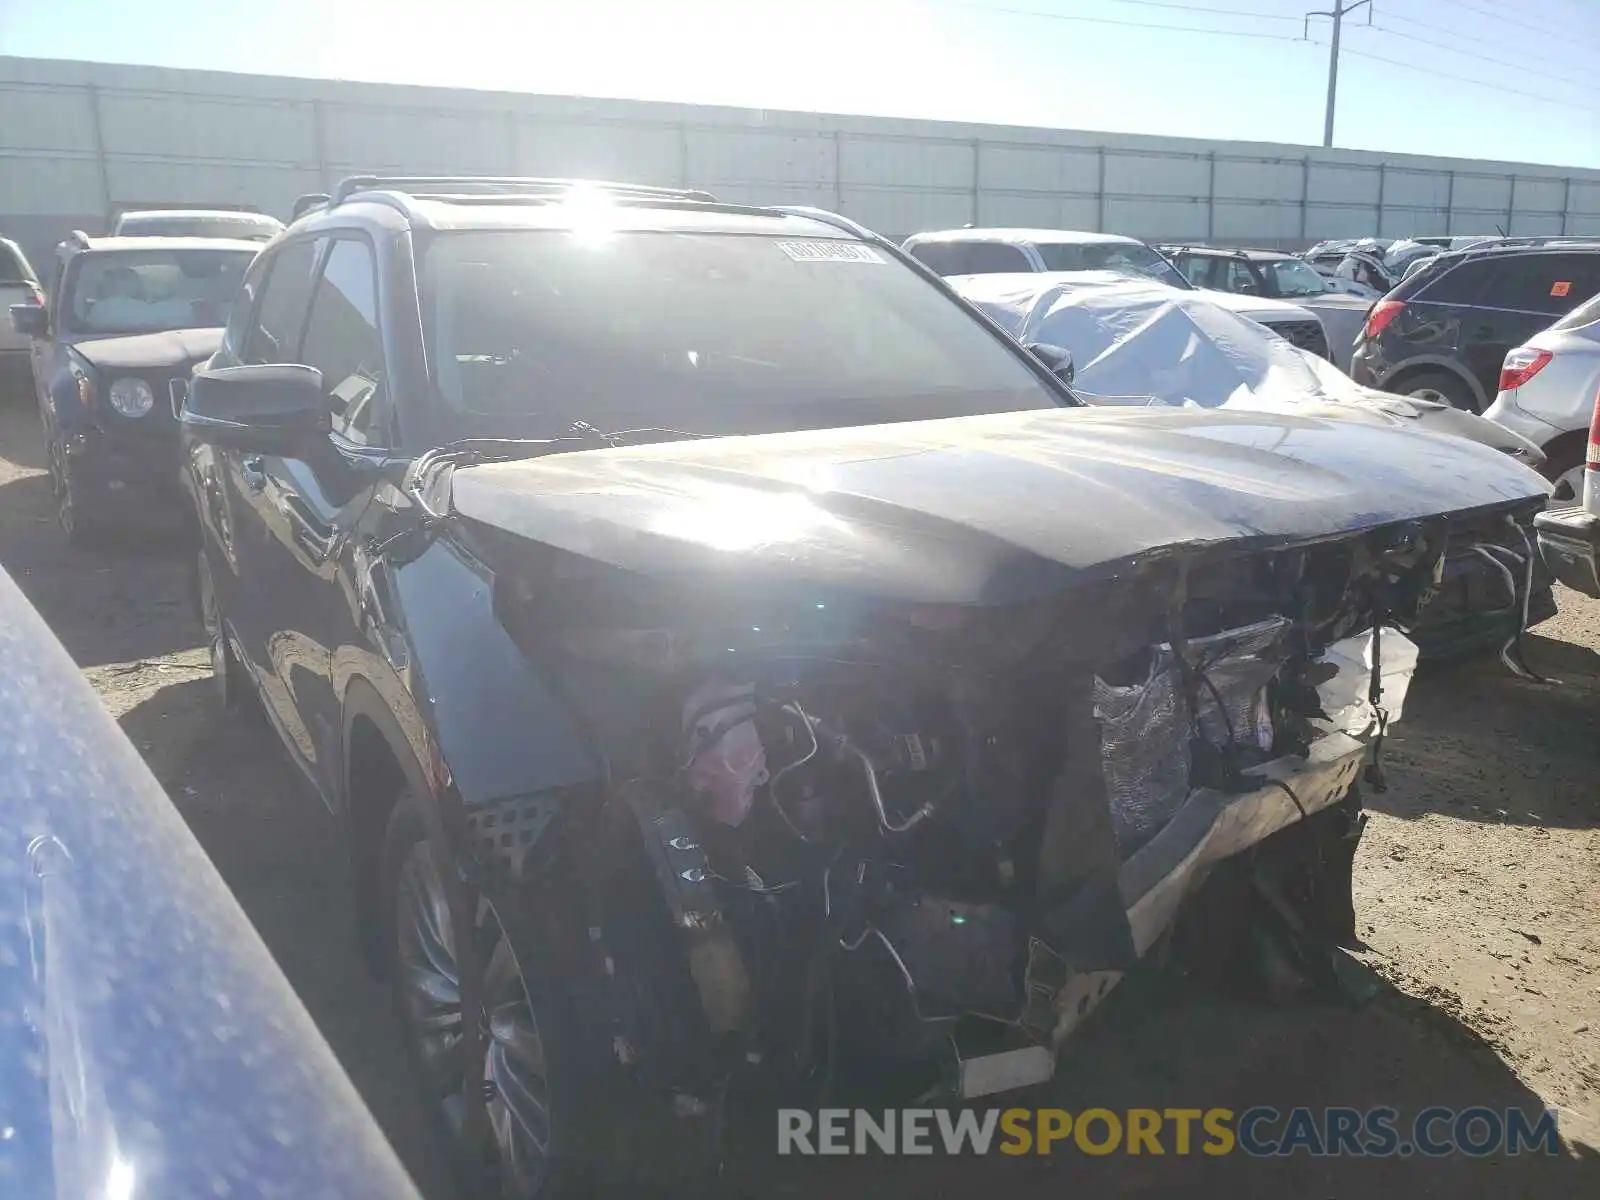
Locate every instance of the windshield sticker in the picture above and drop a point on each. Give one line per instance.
(845, 252)
(1561, 288)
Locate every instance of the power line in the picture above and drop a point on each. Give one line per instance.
(1497, 43)
(1499, 87)
(1205, 10)
(1520, 22)
(1481, 57)
(1047, 16)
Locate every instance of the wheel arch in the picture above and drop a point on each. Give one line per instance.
(1430, 365)
(379, 765)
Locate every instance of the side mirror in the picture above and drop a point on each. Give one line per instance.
(1057, 358)
(31, 320)
(275, 408)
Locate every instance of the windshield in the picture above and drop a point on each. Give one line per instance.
(1131, 258)
(529, 331)
(145, 291)
(1295, 277)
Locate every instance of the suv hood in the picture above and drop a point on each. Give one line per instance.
(1258, 308)
(149, 351)
(987, 509)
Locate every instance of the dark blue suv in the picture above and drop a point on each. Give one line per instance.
(1443, 333)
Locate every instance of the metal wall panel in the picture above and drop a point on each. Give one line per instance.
(39, 185)
(46, 118)
(202, 184)
(652, 154)
(1416, 189)
(1585, 202)
(905, 162)
(1039, 169)
(760, 157)
(902, 211)
(1345, 183)
(416, 142)
(1243, 223)
(81, 138)
(1158, 220)
(1017, 210)
(187, 127)
(1157, 175)
(1255, 179)
(1483, 193)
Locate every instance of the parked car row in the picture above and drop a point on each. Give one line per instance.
(734, 656)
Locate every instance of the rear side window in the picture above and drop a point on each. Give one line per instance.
(1203, 270)
(942, 258)
(1535, 283)
(1459, 284)
(275, 333)
(995, 258)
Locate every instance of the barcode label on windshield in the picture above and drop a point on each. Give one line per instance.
(845, 252)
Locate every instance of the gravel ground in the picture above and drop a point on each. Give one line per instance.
(1478, 890)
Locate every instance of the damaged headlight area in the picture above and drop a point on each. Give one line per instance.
(932, 839)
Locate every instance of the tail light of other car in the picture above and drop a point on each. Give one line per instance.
(1521, 365)
(1592, 459)
(1380, 315)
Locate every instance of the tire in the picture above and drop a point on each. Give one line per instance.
(1564, 469)
(82, 531)
(538, 1073)
(1439, 386)
(227, 674)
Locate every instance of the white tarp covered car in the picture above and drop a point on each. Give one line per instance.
(1138, 342)
(1134, 342)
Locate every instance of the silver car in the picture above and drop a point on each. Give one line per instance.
(1547, 394)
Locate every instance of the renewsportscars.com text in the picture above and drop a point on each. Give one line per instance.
(1260, 1132)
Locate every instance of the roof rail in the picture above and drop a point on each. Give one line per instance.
(446, 185)
(304, 204)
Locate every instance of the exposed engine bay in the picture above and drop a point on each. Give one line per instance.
(933, 837)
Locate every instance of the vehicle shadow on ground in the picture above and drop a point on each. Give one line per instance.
(1476, 721)
(127, 600)
(281, 853)
(1176, 1045)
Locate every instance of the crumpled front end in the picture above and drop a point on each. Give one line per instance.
(932, 837)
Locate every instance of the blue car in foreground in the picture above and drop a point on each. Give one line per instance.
(149, 1046)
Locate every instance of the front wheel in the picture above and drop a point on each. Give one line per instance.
(227, 676)
(1564, 469)
(83, 532)
(524, 1060)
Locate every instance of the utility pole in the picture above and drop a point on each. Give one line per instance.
(1339, 13)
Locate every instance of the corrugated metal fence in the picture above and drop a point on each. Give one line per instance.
(80, 141)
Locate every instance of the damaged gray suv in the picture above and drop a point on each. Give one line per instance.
(736, 666)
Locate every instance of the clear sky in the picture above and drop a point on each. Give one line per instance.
(1502, 79)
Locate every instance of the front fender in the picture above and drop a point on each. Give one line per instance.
(501, 728)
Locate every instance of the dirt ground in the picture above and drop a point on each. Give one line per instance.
(1478, 894)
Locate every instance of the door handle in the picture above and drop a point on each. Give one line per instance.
(254, 472)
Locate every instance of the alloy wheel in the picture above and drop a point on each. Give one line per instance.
(511, 1072)
(1568, 488)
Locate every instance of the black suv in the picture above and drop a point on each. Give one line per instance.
(701, 622)
(1443, 333)
(127, 320)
